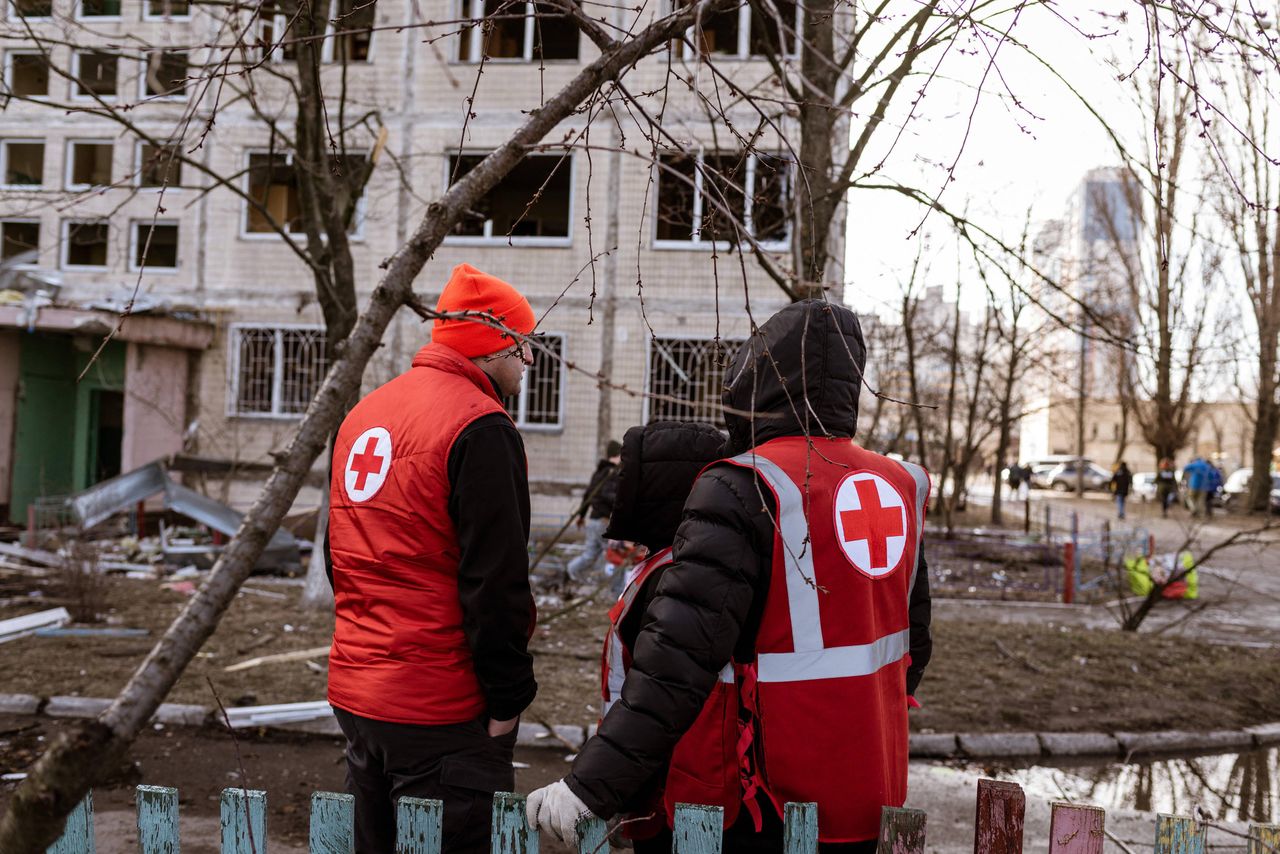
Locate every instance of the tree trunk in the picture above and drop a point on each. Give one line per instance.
(1264, 433)
(818, 200)
(317, 592)
(78, 759)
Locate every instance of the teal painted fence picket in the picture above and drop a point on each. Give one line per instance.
(998, 823)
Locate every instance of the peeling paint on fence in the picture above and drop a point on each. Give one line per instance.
(998, 823)
(1075, 829)
(901, 831)
(157, 819)
(332, 823)
(1264, 839)
(418, 825)
(244, 821)
(698, 829)
(1179, 835)
(77, 834)
(511, 832)
(800, 829)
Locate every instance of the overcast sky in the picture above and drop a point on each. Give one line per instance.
(1013, 160)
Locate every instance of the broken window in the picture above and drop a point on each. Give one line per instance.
(165, 74)
(352, 30)
(19, 237)
(517, 30)
(687, 376)
(85, 244)
(273, 184)
(23, 162)
(538, 403)
(532, 202)
(708, 198)
(96, 74)
(770, 29)
(276, 371)
(155, 247)
(99, 8)
(159, 166)
(27, 74)
(168, 9)
(32, 8)
(90, 165)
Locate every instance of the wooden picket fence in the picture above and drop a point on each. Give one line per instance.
(1074, 829)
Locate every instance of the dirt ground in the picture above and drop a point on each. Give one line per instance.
(984, 676)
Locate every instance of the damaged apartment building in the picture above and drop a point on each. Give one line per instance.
(624, 263)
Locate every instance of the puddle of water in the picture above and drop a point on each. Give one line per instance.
(1229, 787)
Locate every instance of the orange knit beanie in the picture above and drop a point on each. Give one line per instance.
(471, 290)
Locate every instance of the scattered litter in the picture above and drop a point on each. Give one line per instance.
(30, 555)
(269, 594)
(188, 571)
(90, 632)
(299, 655)
(187, 587)
(17, 627)
(278, 714)
(287, 627)
(13, 777)
(314, 668)
(519, 765)
(262, 640)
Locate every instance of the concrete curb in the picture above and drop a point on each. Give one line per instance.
(565, 737)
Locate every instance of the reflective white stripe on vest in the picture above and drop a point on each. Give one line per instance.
(802, 586)
(922, 496)
(837, 662)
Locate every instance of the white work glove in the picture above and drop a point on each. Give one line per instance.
(556, 810)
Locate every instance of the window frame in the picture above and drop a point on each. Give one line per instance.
(329, 49)
(277, 362)
(28, 220)
(137, 171)
(79, 15)
(68, 165)
(183, 94)
(12, 14)
(8, 68)
(135, 244)
(743, 52)
(75, 81)
(147, 16)
(473, 10)
(64, 242)
(4, 162)
(646, 413)
(356, 235)
(522, 397)
(533, 241)
(779, 245)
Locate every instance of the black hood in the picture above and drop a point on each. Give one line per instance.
(798, 375)
(660, 462)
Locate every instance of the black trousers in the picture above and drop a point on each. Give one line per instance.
(458, 764)
(741, 838)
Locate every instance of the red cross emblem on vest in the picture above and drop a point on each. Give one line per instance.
(871, 523)
(367, 464)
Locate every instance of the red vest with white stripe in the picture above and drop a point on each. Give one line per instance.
(704, 765)
(827, 691)
(399, 652)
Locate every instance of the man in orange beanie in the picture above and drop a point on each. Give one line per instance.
(428, 527)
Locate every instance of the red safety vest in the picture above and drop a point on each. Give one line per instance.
(399, 653)
(704, 764)
(826, 695)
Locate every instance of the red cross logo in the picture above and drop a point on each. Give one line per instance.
(871, 523)
(368, 463)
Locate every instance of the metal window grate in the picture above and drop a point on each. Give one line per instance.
(278, 371)
(688, 370)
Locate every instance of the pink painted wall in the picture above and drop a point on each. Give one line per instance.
(9, 347)
(155, 395)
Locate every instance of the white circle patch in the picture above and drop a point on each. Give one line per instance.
(368, 464)
(871, 523)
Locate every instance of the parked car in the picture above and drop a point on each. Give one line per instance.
(1064, 476)
(1144, 485)
(1236, 487)
(1039, 468)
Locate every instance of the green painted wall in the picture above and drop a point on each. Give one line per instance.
(55, 434)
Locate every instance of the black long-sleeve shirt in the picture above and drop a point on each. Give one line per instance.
(489, 505)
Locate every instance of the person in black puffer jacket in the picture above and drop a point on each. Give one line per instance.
(709, 603)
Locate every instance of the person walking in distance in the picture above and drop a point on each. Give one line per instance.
(1121, 484)
(798, 574)
(1166, 485)
(594, 511)
(428, 530)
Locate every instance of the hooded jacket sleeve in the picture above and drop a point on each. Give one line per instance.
(705, 609)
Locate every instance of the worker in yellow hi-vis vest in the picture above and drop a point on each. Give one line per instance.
(1144, 575)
